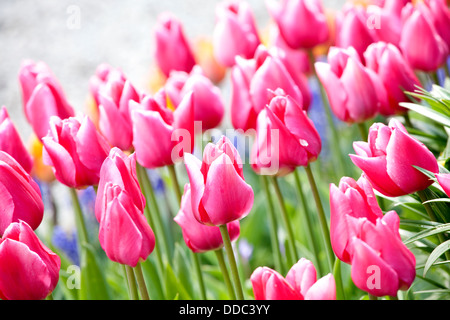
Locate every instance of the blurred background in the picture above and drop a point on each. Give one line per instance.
(74, 36)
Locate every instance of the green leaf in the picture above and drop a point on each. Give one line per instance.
(174, 288)
(93, 284)
(429, 232)
(428, 113)
(152, 279)
(437, 252)
(183, 269)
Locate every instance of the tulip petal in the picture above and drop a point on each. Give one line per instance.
(323, 289)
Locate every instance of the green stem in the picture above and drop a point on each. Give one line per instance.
(307, 219)
(434, 77)
(331, 125)
(131, 283)
(200, 276)
(232, 261)
(322, 216)
(362, 131)
(176, 185)
(288, 225)
(372, 297)
(408, 122)
(273, 227)
(141, 282)
(338, 279)
(81, 226)
(423, 197)
(226, 275)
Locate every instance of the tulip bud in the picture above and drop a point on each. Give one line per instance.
(300, 284)
(162, 134)
(75, 150)
(389, 157)
(197, 236)
(11, 143)
(285, 137)
(235, 32)
(42, 96)
(219, 192)
(28, 269)
(20, 195)
(173, 50)
(296, 19)
(355, 92)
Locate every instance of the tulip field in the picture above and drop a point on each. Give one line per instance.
(308, 159)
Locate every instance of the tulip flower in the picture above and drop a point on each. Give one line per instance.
(197, 236)
(389, 157)
(395, 73)
(162, 134)
(118, 169)
(173, 51)
(219, 192)
(208, 107)
(285, 137)
(42, 96)
(355, 92)
(300, 284)
(11, 143)
(235, 32)
(75, 150)
(114, 111)
(295, 20)
(444, 181)
(28, 269)
(124, 232)
(251, 81)
(20, 195)
(440, 13)
(100, 79)
(420, 41)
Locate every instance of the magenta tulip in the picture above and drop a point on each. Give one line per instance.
(444, 181)
(440, 13)
(395, 73)
(99, 80)
(235, 32)
(20, 197)
(197, 236)
(114, 110)
(285, 137)
(355, 92)
(300, 284)
(389, 157)
(219, 192)
(161, 134)
(42, 96)
(421, 43)
(75, 150)
(28, 269)
(11, 142)
(118, 169)
(173, 51)
(209, 107)
(297, 18)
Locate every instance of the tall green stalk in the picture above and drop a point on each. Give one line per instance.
(199, 275)
(225, 274)
(79, 218)
(141, 282)
(129, 275)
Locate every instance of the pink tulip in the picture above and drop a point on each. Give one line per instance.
(28, 269)
(209, 108)
(252, 81)
(124, 232)
(387, 160)
(440, 13)
(114, 110)
(75, 150)
(300, 284)
(161, 134)
(20, 197)
(285, 137)
(297, 18)
(118, 169)
(197, 236)
(421, 43)
(444, 181)
(219, 192)
(235, 32)
(42, 96)
(355, 92)
(11, 143)
(100, 79)
(173, 51)
(395, 73)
